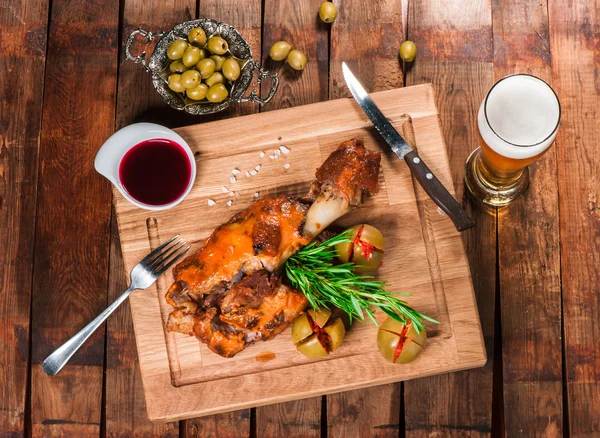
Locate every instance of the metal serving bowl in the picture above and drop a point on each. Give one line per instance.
(238, 48)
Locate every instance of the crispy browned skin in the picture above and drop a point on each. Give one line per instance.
(260, 237)
(352, 170)
(228, 294)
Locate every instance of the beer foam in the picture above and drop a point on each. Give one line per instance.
(519, 117)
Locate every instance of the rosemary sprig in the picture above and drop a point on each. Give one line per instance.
(325, 283)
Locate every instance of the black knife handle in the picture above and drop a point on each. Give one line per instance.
(438, 192)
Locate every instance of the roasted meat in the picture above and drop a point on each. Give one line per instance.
(229, 293)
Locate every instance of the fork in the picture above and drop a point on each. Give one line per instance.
(142, 276)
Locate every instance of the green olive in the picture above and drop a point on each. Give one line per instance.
(365, 250)
(175, 83)
(316, 334)
(297, 60)
(197, 93)
(177, 67)
(197, 36)
(231, 69)
(327, 12)
(280, 50)
(203, 54)
(215, 78)
(176, 49)
(206, 67)
(190, 79)
(219, 60)
(191, 56)
(217, 93)
(217, 45)
(408, 51)
(399, 342)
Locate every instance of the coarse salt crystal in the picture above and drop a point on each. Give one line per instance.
(286, 165)
(277, 152)
(256, 194)
(253, 172)
(235, 171)
(262, 154)
(247, 173)
(231, 193)
(284, 150)
(211, 202)
(232, 179)
(229, 203)
(257, 168)
(237, 195)
(272, 157)
(224, 189)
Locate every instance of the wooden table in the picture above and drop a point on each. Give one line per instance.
(65, 87)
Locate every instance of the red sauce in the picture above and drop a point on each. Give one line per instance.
(265, 356)
(155, 172)
(401, 342)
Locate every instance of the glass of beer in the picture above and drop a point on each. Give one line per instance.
(517, 121)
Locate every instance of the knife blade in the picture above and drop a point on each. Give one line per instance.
(432, 186)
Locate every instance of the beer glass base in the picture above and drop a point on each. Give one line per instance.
(495, 193)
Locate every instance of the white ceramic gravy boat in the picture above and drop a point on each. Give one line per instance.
(108, 158)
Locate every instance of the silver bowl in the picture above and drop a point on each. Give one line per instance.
(158, 65)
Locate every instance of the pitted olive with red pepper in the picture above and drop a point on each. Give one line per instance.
(316, 334)
(399, 342)
(364, 250)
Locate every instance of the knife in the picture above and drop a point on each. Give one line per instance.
(434, 188)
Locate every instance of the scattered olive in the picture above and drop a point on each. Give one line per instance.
(217, 93)
(190, 79)
(231, 69)
(408, 51)
(176, 49)
(280, 50)
(197, 93)
(175, 83)
(215, 78)
(365, 250)
(399, 342)
(177, 67)
(191, 56)
(219, 60)
(217, 45)
(203, 54)
(206, 67)
(197, 36)
(316, 334)
(297, 60)
(327, 12)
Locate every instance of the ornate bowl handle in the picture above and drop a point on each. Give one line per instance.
(140, 59)
(262, 73)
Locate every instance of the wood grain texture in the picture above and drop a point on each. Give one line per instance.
(299, 24)
(367, 36)
(246, 17)
(23, 50)
(72, 230)
(137, 100)
(454, 43)
(575, 48)
(178, 371)
(529, 249)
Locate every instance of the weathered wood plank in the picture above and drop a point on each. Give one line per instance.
(22, 52)
(454, 43)
(367, 36)
(575, 47)
(297, 23)
(137, 101)
(72, 230)
(246, 17)
(528, 248)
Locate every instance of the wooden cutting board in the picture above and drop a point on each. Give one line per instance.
(424, 256)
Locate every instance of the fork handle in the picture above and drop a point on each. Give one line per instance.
(54, 363)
